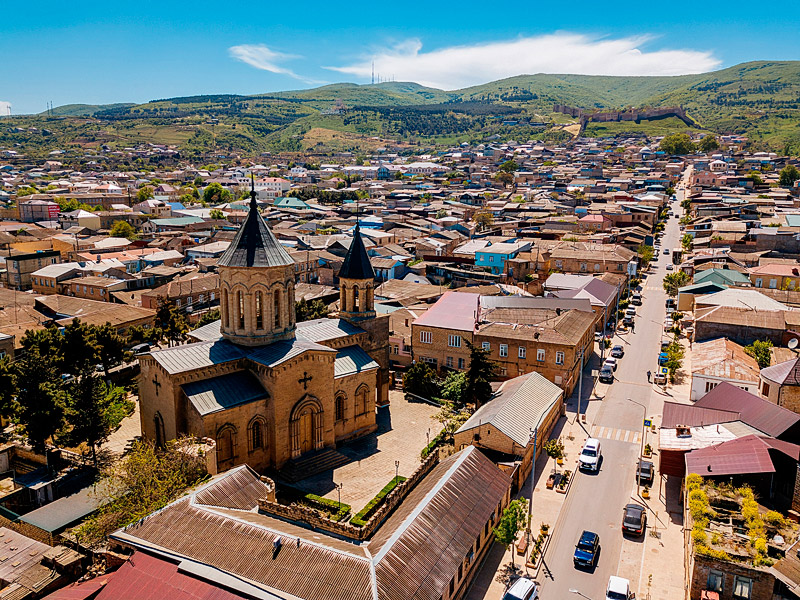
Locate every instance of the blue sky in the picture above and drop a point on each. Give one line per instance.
(103, 52)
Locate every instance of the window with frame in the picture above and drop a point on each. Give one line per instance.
(256, 435)
(742, 587)
(454, 341)
(486, 346)
(449, 362)
(559, 358)
(340, 401)
(503, 350)
(540, 355)
(715, 579)
(583, 267)
(461, 363)
(521, 352)
(559, 264)
(773, 283)
(425, 337)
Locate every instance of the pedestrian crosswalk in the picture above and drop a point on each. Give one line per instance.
(612, 433)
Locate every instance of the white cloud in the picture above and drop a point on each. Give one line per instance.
(261, 57)
(5, 108)
(461, 66)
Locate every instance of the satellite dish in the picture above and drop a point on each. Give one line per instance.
(792, 343)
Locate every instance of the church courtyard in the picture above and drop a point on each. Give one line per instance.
(402, 434)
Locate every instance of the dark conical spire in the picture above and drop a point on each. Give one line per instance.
(254, 244)
(356, 263)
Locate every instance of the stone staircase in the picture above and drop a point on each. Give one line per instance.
(311, 464)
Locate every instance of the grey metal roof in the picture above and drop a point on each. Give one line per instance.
(197, 356)
(225, 391)
(67, 510)
(356, 263)
(518, 406)
(352, 360)
(321, 330)
(208, 332)
(255, 245)
(274, 354)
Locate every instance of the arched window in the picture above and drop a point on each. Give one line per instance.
(356, 298)
(362, 401)
(340, 402)
(277, 302)
(240, 302)
(158, 421)
(225, 308)
(257, 434)
(259, 311)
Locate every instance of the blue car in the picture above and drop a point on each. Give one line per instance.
(587, 550)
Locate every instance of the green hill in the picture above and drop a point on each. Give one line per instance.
(759, 99)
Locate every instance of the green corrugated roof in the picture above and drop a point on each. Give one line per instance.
(721, 276)
(352, 360)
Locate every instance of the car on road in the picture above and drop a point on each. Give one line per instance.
(611, 362)
(634, 519)
(587, 550)
(669, 324)
(522, 589)
(598, 337)
(645, 472)
(618, 351)
(666, 252)
(619, 588)
(670, 267)
(591, 456)
(636, 299)
(606, 375)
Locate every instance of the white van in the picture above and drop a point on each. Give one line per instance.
(619, 589)
(522, 589)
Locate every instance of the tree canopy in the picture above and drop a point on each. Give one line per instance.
(760, 350)
(306, 311)
(123, 229)
(144, 193)
(674, 281)
(216, 194)
(511, 522)
(677, 144)
(483, 219)
(479, 375)
(708, 144)
(789, 175)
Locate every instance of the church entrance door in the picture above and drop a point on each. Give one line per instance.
(306, 426)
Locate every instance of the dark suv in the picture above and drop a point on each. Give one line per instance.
(587, 550)
(645, 472)
(634, 519)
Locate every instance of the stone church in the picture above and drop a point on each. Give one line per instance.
(269, 390)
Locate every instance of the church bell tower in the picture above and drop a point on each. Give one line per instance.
(356, 282)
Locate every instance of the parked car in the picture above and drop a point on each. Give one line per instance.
(141, 349)
(666, 252)
(606, 374)
(634, 519)
(522, 589)
(670, 267)
(598, 337)
(618, 351)
(611, 362)
(619, 589)
(587, 550)
(591, 455)
(645, 472)
(636, 299)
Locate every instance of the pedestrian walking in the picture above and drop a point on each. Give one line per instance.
(649, 375)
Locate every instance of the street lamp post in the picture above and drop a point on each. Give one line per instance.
(339, 491)
(641, 451)
(535, 436)
(574, 591)
(396, 471)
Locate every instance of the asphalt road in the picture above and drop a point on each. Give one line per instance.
(595, 501)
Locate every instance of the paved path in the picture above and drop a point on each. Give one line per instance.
(129, 429)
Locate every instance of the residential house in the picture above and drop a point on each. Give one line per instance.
(722, 360)
(20, 267)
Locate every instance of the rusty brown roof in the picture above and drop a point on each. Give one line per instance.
(412, 556)
(692, 415)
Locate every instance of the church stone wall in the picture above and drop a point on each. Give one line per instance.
(377, 346)
(352, 424)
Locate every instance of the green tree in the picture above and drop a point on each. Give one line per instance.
(480, 372)
(40, 397)
(788, 175)
(208, 317)
(677, 144)
(645, 253)
(510, 166)
(217, 214)
(216, 194)
(755, 177)
(760, 350)
(483, 219)
(674, 281)
(554, 449)
(170, 320)
(708, 144)
(421, 380)
(110, 345)
(454, 388)
(146, 480)
(88, 413)
(79, 349)
(505, 178)
(511, 522)
(144, 193)
(307, 311)
(675, 354)
(123, 229)
(687, 241)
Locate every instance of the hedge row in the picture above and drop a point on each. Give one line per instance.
(430, 447)
(366, 513)
(336, 511)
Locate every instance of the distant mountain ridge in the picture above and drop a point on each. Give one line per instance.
(760, 99)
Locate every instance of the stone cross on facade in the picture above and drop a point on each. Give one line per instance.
(305, 379)
(156, 383)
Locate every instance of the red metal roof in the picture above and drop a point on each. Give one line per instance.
(452, 311)
(744, 456)
(692, 415)
(87, 590)
(145, 577)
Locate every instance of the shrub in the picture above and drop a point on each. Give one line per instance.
(693, 481)
(712, 553)
(336, 511)
(775, 518)
(372, 506)
(699, 536)
(749, 510)
(430, 447)
(760, 545)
